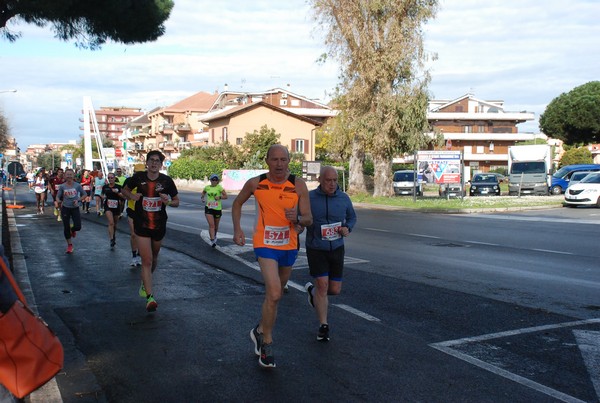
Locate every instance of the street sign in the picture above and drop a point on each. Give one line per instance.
(130, 160)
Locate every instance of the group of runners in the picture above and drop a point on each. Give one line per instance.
(145, 196)
(286, 208)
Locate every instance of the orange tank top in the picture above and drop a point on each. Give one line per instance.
(272, 229)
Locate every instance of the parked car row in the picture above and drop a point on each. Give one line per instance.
(562, 177)
(586, 192)
(580, 183)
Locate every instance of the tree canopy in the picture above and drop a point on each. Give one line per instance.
(90, 23)
(578, 155)
(574, 117)
(4, 132)
(383, 81)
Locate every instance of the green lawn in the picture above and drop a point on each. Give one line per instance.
(431, 201)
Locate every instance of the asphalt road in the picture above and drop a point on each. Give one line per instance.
(428, 312)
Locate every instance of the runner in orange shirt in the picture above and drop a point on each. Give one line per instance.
(283, 206)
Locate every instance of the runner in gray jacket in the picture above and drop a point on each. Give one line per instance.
(333, 220)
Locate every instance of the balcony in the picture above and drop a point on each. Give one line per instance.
(165, 128)
(167, 145)
(183, 127)
(185, 145)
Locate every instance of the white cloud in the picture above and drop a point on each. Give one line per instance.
(523, 52)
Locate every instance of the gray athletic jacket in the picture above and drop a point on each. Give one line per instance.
(326, 212)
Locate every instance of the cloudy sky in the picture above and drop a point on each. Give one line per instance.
(524, 52)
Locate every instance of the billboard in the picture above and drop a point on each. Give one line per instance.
(439, 166)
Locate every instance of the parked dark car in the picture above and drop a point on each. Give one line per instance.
(501, 178)
(485, 185)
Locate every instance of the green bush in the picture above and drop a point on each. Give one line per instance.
(296, 168)
(193, 168)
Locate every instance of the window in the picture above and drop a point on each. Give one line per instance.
(468, 129)
(224, 135)
(238, 141)
(480, 150)
(299, 146)
(481, 129)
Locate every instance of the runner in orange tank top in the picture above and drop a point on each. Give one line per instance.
(273, 229)
(283, 208)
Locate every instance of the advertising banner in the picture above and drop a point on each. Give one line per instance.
(234, 179)
(439, 166)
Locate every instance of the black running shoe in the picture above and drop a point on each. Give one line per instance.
(266, 359)
(257, 338)
(309, 288)
(323, 334)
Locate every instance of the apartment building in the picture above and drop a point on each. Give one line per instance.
(482, 129)
(112, 122)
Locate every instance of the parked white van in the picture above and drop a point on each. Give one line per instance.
(405, 184)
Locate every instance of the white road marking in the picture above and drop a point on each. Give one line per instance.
(234, 250)
(552, 251)
(447, 347)
(589, 345)
(172, 224)
(426, 236)
(377, 229)
(483, 243)
(526, 218)
(357, 312)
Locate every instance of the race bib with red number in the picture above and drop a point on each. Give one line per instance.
(277, 236)
(331, 232)
(112, 203)
(151, 204)
(70, 193)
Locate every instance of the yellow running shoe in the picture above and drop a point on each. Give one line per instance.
(142, 291)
